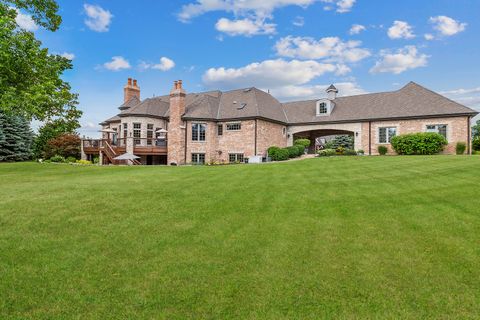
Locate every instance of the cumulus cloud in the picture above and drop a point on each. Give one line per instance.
(305, 92)
(246, 27)
(25, 21)
(447, 26)
(118, 63)
(356, 29)
(164, 65)
(400, 61)
(98, 19)
(332, 49)
(401, 30)
(250, 15)
(267, 74)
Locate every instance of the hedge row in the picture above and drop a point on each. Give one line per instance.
(282, 154)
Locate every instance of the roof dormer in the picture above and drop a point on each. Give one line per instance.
(324, 107)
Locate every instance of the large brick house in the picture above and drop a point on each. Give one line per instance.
(236, 125)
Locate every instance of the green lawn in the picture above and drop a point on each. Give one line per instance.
(362, 237)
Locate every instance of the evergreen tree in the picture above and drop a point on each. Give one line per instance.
(15, 138)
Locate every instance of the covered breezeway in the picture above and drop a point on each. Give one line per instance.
(315, 131)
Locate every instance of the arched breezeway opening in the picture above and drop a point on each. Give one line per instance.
(315, 132)
(318, 138)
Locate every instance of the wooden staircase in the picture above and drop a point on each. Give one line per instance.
(110, 154)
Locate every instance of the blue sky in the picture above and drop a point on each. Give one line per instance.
(294, 48)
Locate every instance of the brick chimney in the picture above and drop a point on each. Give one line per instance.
(130, 90)
(176, 126)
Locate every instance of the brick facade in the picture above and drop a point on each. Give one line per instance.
(457, 131)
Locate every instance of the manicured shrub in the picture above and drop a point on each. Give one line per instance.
(340, 150)
(300, 149)
(304, 142)
(423, 143)
(71, 160)
(83, 162)
(476, 144)
(272, 150)
(382, 150)
(280, 155)
(350, 152)
(460, 148)
(292, 152)
(360, 152)
(57, 158)
(327, 152)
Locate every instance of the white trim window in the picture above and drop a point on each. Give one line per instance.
(236, 158)
(234, 126)
(199, 131)
(438, 128)
(198, 158)
(385, 134)
(137, 133)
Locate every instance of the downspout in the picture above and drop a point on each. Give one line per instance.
(370, 138)
(255, 137)
(185, 148)
(469, 141)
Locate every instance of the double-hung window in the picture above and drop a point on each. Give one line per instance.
(235, 157)
(438, 128)
(220, 129)
(198, 158)
(386, 134)
(199, 131)
(137, 129)
(125, 130)
(149, 134)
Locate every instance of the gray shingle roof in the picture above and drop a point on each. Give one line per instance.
(411, 101)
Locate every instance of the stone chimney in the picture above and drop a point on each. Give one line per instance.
(130, 90)
(176, 126)
(332, 92)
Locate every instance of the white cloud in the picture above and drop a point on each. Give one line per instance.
(400, 61)
(356, 29)
(305, 92)
(98, 19)
(345, 5)
(25, 21)
(267, 74)
(118, 63)
(401, 30)
(330, 49)
(250, 15)
(428, 36)
(246, 27)
(239, 8)
(447, 26)
(299, 21)
(68, 55)
(164, 65)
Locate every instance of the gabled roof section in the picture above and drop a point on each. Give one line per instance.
(411, 101)
(130, 103)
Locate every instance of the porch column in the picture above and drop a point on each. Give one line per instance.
(100, 158)
(129, 145)
(289, 139)
(83, 155)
